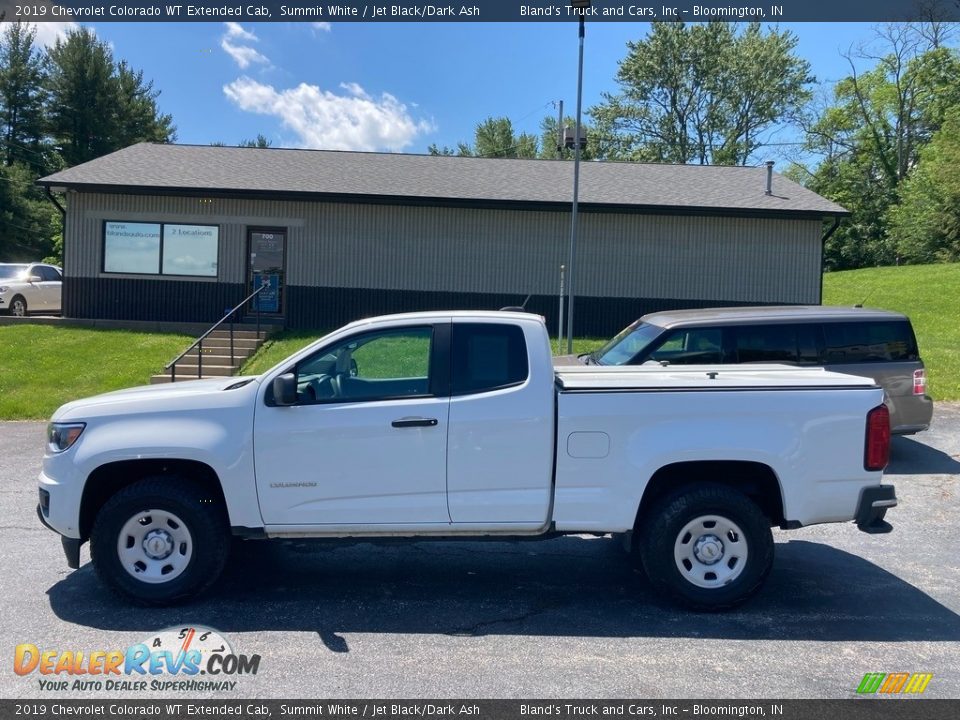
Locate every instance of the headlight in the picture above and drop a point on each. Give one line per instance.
(60, 436)
(3, 288)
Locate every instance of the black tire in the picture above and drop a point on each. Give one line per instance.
(18, 306)
(659, 533)
(202, 516)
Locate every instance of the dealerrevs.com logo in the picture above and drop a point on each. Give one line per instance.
(181, 658)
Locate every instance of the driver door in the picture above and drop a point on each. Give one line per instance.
(366, 442)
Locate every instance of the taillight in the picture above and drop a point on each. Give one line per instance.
(877, 451)
(919, 382)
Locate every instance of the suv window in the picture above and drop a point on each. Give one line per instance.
(864, 342)
(384, 365)
(690, 346)
(793, 343)
(487, 357)
(47, 273)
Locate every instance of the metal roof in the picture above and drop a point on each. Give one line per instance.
(427, 179)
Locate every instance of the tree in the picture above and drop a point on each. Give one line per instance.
(27, 222)
(702, 93)
(260, 141)
(925, 226)
(871, 135)
(21, 99)
(96, 107)
(494, 138)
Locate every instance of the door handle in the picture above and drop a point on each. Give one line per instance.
(414, 422)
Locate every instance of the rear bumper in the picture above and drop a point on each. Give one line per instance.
(873, 505)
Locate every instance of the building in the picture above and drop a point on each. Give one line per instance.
(182, 233)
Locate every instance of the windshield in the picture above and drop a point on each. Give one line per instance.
(11, 271)
(625, 345)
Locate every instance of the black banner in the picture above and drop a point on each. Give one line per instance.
(479, 11)
(175, 709)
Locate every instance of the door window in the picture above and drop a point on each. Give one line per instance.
(487, 357)
(385, 365)
(693, 346)
(47, 274)
(790, 343)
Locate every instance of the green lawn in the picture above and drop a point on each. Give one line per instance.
(44, 366)
(930, 295)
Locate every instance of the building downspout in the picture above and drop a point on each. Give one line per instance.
(63, 224)
(823, 244)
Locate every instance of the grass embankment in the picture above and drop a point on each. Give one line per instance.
(930, 295)
(43, 366)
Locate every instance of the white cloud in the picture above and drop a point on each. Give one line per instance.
(47, 32)
(242, 54)
(324, 26)
(325, 120)
(237, 31)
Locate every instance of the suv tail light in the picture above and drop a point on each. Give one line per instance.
(877, 450)
(920, 382)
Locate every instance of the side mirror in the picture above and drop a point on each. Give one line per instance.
(285, 389)
(34, 279)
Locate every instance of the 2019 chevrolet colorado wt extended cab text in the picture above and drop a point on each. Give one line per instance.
(456, 424)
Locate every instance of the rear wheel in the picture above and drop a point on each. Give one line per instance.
(18, 306)
(160, 540)
(707, 546)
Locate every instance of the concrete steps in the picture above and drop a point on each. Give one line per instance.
(217, 358)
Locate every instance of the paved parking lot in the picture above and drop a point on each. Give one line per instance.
(557, 618)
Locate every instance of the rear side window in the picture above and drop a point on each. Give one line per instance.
(793, 343)
(487, 357)
(866, 342)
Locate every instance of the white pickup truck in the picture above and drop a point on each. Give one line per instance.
(456, 424)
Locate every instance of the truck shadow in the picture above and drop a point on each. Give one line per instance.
(569, 586)
(912, 457)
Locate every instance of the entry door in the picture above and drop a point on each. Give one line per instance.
(267, 249)
(366, 442)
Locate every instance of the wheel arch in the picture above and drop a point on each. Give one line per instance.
(757, 481)
(108, 479)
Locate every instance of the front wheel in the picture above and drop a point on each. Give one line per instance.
(707, 546)
(160, 540)
(18, 306)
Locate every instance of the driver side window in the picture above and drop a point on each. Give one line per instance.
(384, 365)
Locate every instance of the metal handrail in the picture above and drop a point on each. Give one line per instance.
(198, 343)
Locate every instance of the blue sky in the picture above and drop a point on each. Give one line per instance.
(383, 86)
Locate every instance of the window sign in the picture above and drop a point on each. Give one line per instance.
(131, 248)
(190, 250)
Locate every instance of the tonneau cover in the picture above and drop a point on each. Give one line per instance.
(591, 377)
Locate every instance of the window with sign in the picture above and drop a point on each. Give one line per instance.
(160, 249)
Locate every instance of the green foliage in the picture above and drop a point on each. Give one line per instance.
(494, 138)
(58, 109)
(260, 141)
(702, 93)
(21, 100)
(45, 366)
(925, 226)
(928, 295)
(871, 138)
(97, 106)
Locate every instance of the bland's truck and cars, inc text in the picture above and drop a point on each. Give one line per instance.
(457, 424)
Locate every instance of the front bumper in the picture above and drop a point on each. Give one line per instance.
(71, 546)
(873, 505)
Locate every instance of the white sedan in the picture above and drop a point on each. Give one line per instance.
(30, 287)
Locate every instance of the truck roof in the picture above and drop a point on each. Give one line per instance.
(434, 315)
(638, 377)
(767, 313)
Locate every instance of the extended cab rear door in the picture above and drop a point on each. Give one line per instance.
(500, 444)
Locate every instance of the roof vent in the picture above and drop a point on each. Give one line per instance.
(769, 165)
